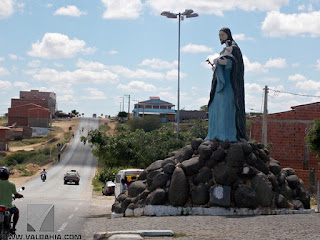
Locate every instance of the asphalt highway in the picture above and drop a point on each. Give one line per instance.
(51, 209)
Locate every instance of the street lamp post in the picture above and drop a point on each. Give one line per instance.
(189, 14)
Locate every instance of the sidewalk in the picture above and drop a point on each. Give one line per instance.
(263, 227)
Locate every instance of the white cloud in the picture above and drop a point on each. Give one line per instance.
(1, 58)
(295, 65)
(253, 66)
(301, 7)
(6, 8)
(241, 37)
(22, 85)
(94, 94)
(15, 57)
(77, 76)
(138, 73)
(156, 63)
(3, 71)
(137, 86)
(194, 48)
(297, 78)
(122, 9)
(318, 64)
(216, 7)
(278, 24)
(56, 45)
(113, 52)
(253, 88)
(5, 85)
(34, 63)
(69, 10)
(173, 75)
(308, 85)
(276, 63)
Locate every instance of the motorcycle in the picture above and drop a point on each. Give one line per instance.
(43, 177)
(5, 221)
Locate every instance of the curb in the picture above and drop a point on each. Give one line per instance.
(139, 234)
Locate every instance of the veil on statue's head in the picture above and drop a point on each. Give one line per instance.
(228, 32)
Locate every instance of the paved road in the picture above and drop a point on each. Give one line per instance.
(70, 202)
(267, 227)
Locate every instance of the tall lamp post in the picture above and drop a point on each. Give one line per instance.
(188, 13)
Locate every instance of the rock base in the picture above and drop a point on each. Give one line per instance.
(156, 210)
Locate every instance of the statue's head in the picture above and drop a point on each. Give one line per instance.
(224, 35)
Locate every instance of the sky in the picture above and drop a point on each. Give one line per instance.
(94, 54)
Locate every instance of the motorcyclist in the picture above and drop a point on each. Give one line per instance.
(7, 189)
(44, 172)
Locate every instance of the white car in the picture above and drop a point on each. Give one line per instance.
(130, 174)
(108, 188)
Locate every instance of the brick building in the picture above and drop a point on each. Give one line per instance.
(287, 132)
(31, 115)
(4, 138)
(37, 97)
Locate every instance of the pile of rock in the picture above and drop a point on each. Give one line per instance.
(213, 173)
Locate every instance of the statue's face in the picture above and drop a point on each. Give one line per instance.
(223, 37)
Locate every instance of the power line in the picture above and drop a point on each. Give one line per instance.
(296, 94)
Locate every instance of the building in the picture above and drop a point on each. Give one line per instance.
(155, 106)
(31, 115)
(37, 97)
(286, 132)
(4, 138)
(192, 114)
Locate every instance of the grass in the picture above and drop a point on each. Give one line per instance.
(97, 185)
(104, 128)
(179, 235)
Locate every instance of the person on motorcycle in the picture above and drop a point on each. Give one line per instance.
(7, 189)
(44, 172)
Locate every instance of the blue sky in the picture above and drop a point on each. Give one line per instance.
(91, 53)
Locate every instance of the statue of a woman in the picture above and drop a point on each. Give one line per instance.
(227, 118)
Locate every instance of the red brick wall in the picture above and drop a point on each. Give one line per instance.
(287, 132)
(18, 102)
(20, 114)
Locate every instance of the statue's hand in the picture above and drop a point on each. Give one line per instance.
(222, 61)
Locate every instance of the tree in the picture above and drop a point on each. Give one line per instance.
(122, 114)
(74, 112)
(204, 108)
(313, 137)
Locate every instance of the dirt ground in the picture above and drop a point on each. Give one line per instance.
(64, 125)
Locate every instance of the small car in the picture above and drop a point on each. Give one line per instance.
(71, 177)
(108, 188)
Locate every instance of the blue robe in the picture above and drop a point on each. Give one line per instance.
(222, 109)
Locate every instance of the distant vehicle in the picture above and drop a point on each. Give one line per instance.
(130, 174)
(72, 177)
(94, 115)
(108, 188)
(111, 119)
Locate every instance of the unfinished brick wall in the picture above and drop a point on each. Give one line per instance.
(287, 132)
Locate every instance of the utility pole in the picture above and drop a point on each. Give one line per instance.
(265, 114)
(128, 105)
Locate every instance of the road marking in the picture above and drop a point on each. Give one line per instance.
(76, 209)
(63, 227)
(71, 216)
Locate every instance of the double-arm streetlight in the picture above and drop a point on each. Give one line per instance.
(188, 13)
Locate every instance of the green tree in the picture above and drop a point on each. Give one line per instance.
(147, 123)
(313, 137)
(204, 108)
(122, 114)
